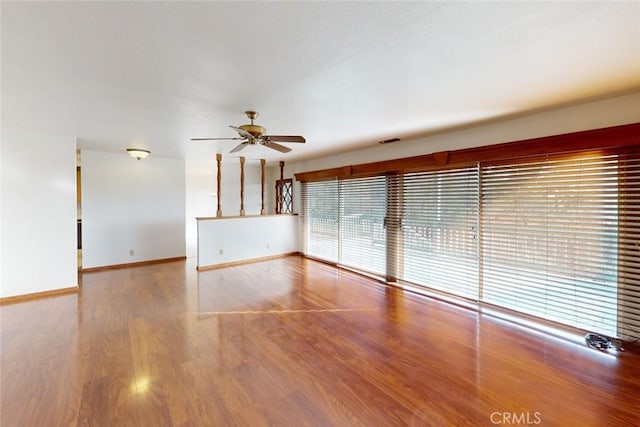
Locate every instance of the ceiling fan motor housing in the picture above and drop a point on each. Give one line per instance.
(254, 130)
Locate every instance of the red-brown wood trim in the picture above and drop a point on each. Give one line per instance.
(616, 136)
(325, 174)
(208, 218)
(441, 158)
(241, 186)
(133, 264)
(280, 195)
(262, 165)
(37, 295)
(219, 184)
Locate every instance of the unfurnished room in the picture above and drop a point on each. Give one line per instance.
(322, 213)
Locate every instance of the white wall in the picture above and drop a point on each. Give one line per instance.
(130, 204)
(200, 196)
(38, 223)
(201, 187)
(1, 209)
(237, 239)
(272, 174)
(593, 115)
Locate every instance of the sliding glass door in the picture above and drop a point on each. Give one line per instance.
(439, 230)
(344, 222)
(362, 239)
(320, 217)
(550, 239)
(554, 237)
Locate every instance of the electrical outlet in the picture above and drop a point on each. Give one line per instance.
(131, 252)
(268, 246)
(221, 251)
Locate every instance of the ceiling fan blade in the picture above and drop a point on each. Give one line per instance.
(278, 147)
(243, 133)
(213, 139)
(239, 147)
(285, 138)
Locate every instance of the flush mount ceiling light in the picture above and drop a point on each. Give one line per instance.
(138, 153)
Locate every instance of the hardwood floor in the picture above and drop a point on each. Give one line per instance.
(291, 342)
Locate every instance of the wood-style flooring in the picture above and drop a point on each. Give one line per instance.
(291, 342)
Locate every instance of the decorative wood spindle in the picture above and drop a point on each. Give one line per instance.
(280, 194)
(218, 161)
(262, 164)
(241, 186)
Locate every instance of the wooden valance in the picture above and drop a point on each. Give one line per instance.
(610, 137)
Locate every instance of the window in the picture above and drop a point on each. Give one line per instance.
(320, 218)
(629, 246)
(555, 236)
(344, 222)
(439, 230)
(362, 236)
(550, 238)
(284, 196)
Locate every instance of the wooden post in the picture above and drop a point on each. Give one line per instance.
(280, 194)
(218, 161)
(241, 186)
(262, 164)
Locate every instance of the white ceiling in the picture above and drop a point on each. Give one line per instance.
(343, 74)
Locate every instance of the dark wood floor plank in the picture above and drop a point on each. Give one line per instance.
(290, 342)
(94, 408)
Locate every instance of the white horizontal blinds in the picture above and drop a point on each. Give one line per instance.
(550, 237)
(439, 230)
(362, 235)
(320, 217)
(629, 248)
(392, 225)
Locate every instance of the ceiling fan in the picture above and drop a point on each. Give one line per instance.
(254, 134)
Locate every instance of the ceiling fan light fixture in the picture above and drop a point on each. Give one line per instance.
(254, 130)
(252, 134)
(138, 153)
